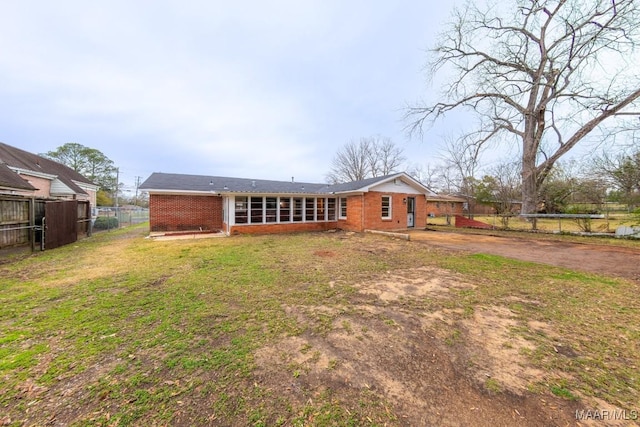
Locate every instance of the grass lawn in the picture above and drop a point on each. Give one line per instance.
(550, 225)
(121, 330)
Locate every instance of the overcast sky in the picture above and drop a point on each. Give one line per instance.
(247, 89)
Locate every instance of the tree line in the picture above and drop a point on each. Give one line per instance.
(604, 178)
(537, 78)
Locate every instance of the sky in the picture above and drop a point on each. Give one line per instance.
(252, 89)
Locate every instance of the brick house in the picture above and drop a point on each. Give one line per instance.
(179, 202)
(445, 205)
(27, 174)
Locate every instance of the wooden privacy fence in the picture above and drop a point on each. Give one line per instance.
(42, 223)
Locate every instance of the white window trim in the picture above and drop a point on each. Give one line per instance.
(230, 215)
(340, 199)
(390, 207)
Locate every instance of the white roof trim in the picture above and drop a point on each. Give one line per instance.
(84, 185)
(407, 179)
(32, 173)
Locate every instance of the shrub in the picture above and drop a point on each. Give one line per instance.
(105, 223)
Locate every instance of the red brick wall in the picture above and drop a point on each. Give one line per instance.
(290, 227)
(372, 218)
(444, 208)
(182, 213)
(470, 223)
(354, 214)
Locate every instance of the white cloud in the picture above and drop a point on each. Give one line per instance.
(265, 89)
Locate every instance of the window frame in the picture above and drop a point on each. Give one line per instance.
(342, 206)
(241, 210)
(388, 208)
(271, 209)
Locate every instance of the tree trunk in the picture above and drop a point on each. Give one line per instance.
(529, 180)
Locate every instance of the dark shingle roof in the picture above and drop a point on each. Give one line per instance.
(358, 185)
(198, 183)
(10, 179)
(17, 158)
(218, 184)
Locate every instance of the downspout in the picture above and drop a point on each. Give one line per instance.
(228, 215)
(362, 227)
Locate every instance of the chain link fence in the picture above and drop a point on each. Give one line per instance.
(108, 218)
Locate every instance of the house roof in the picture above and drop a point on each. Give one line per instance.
(168, 182)
(366, 184)
(10, 179)
(159, 181)
(446, 198)
(25, 162)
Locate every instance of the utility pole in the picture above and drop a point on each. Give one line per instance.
(117, 186)
(138, 179)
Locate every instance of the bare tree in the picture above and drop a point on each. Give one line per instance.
(543, 73)
(500, 189)
(462, 161)
(426, 174)
(621, 172)
(386, 156)
(372, 156)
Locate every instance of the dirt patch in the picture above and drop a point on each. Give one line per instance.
(593, 258)
(325, 254)
(497, 353)
(381, 348)
(417, 282)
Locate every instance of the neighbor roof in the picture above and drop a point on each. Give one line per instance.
(19, 159)
(170, 182)
(10, 179)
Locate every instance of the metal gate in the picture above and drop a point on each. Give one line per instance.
(60, 223)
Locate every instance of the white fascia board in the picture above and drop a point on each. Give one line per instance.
(180, 192)
(407, 179)
(249, 194)
(32, 173)
(86, 186)
(349, 193)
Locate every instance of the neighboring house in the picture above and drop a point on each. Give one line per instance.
(515, 207)
(179, 202)
(444, 205)
(27, 174)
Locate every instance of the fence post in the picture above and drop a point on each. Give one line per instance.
(32, 223)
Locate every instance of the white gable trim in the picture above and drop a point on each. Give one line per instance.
(86, 186)
(394, 180)
(59, 188)
(36, 174)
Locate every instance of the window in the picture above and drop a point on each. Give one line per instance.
(310, 209)
(256, 210)
(241, 210)
(285, 209)
(271, 209)
(343, 207)
(297, 209)
(331, 209)
(320, 209)
(386, 207)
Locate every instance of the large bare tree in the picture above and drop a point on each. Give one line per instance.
(543, 74)
(369, 157)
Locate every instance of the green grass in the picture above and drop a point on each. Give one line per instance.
(134, 331)
(595, 316)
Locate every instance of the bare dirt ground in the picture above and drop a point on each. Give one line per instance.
(593, 258)
(385, 345)
(427, 364)
(382, 346)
